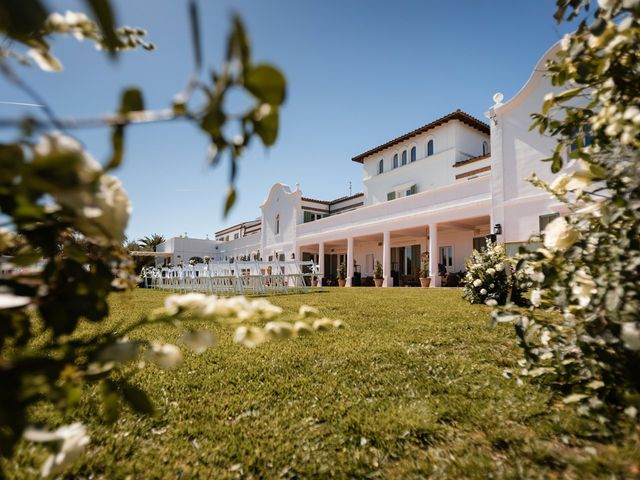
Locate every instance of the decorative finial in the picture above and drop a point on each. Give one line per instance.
(497, 98)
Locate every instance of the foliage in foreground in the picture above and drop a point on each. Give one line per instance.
(66, 215)
(582, 333)
(409, 392)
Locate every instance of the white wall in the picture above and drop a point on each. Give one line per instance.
(185, 248)
(516, 154)
(287, 204)
(453, 142)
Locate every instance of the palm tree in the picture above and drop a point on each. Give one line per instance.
(132, 246)
(149, 243)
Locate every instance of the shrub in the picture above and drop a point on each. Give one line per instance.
(424, 266)
(377, 272)
(488, 279)
(342, 271)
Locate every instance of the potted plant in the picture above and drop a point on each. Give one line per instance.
(342, 275)
(377, 274)
(425, 280)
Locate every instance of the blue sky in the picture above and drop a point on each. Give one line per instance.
(359, 72)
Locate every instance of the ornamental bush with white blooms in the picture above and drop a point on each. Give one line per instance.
(582, 332)
(488, 279)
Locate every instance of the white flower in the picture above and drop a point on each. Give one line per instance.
(491, 271)
(492, 302)
(323, 324)
(165, 356)
(74, 439)
(307, 311)
(53, 145)
(9, 300)
(583, 287)
(559, 235)
(492, 285)
(103, 214)
(477, 282)
(545, 337)
(499, 267)
(189, 301)
(606, 4)
(44, 60)
(121, 351)
(279, 330)
(631, 412)
(483, 292)
(559, 184)
(198, 341)
(536, 297)
(302, 328)
(266, 308)
(630, 335)
(250, 337)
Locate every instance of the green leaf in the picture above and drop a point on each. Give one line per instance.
(22, 20)
(231, 199)
(267, 127)
(137, 399)
(106, 20)
(117, 144)
(267, 83)
(131, 100)
(11, 159)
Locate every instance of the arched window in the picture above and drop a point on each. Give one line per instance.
(404, 157)
(381, 166)
(277, 224)
(395, 161)
(485, 148)
(413, 154)
(430, 148)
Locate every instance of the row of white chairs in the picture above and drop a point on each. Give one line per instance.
(236, 278)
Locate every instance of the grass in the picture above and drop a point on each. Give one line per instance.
(412, 388)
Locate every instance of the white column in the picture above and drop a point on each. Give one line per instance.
(433, 255)
(349, 261)
(386, 260)
(320, 262)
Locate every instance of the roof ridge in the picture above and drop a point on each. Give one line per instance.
(456, 115)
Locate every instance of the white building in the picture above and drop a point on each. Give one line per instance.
(441, 188)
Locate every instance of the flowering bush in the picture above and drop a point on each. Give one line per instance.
(582, 331)
(488, 279)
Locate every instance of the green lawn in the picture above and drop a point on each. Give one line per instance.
(411, 388)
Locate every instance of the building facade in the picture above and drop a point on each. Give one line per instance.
(441, 188)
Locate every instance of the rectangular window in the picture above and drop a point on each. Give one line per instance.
(446, 256)
(479, 243)
(391, 196)
(308, 217)
(237, 235)
(545, 220)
